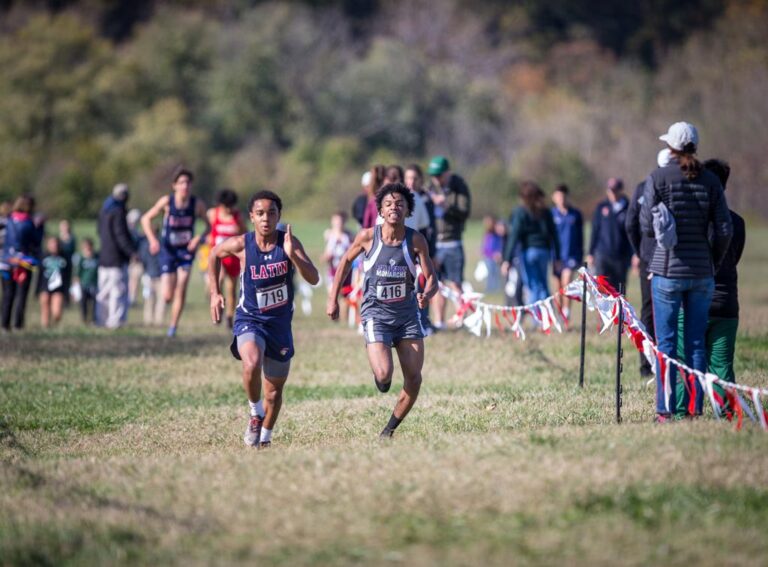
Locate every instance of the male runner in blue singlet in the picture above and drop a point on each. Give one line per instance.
(178, 243)
(390, 309)
(262, 329)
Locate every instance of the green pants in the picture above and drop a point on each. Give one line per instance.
(721, 347)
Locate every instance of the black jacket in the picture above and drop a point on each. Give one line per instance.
(116, 242)
(531, 232)
(455, 212)
(609, 237)
(697, 205)
(642, 245)
(725, 301)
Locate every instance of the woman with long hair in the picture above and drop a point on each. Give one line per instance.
(683, 204)
(531, 225)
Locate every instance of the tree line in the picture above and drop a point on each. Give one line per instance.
(301, 97)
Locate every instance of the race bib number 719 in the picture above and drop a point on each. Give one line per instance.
(272, 297)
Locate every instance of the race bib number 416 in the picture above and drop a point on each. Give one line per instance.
(390, 292)
(272, 297)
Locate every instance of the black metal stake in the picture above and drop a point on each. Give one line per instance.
(619, 355)
(583, 329)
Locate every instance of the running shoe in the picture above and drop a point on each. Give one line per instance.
(253, 431)
(662, 418)
(265, 445)
(382, 386)
(386, 433)
(171, 332)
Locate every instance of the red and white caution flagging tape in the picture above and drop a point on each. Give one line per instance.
(479, 316)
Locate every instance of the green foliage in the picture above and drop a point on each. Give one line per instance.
(246, 100)
(550, 165)
(173, 54)
(304, 96)
(45, 88)
(494, 190)
(379, 99)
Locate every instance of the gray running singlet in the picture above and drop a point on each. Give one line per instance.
(388, 285)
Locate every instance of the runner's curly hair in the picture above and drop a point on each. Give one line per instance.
(270, 196)
(391, 188)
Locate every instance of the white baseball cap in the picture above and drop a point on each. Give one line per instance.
(679, 135)
(366, 180)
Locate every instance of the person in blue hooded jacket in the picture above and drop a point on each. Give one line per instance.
(18, 261)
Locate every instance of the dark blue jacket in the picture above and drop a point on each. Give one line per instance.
(609, 237)
(570, 231)
(21, 238)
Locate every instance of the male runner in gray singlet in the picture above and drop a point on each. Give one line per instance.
(390, 308)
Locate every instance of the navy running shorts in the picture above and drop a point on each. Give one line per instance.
(171, 259)
(377, 331)
(276, 337)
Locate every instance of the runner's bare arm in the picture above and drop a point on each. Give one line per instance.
(146, 222)
(421, 248)
(362, 243)
(234, 246)
(298, 256)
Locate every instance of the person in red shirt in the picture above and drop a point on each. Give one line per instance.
(226, 222)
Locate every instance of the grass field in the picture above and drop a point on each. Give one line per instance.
(125, 448)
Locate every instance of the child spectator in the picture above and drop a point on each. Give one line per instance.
(68, 247)
(493, 247)
(88, 276)
(51, 283)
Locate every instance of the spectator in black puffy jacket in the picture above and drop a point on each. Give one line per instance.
(684, 273)
(724, 311)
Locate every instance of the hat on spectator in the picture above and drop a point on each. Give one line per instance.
(664, 157)
(133, 216)
(120, 191)
(366, 180)
(680, 137)
(438, 165)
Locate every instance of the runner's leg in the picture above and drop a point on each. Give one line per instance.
(411, 355)
(168, 282)
(273, 400)
(252, 358)
(179, 295)
(380, 359)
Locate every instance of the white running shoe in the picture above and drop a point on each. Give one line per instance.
(253, 431)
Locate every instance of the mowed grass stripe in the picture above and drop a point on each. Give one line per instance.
(88, 407)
